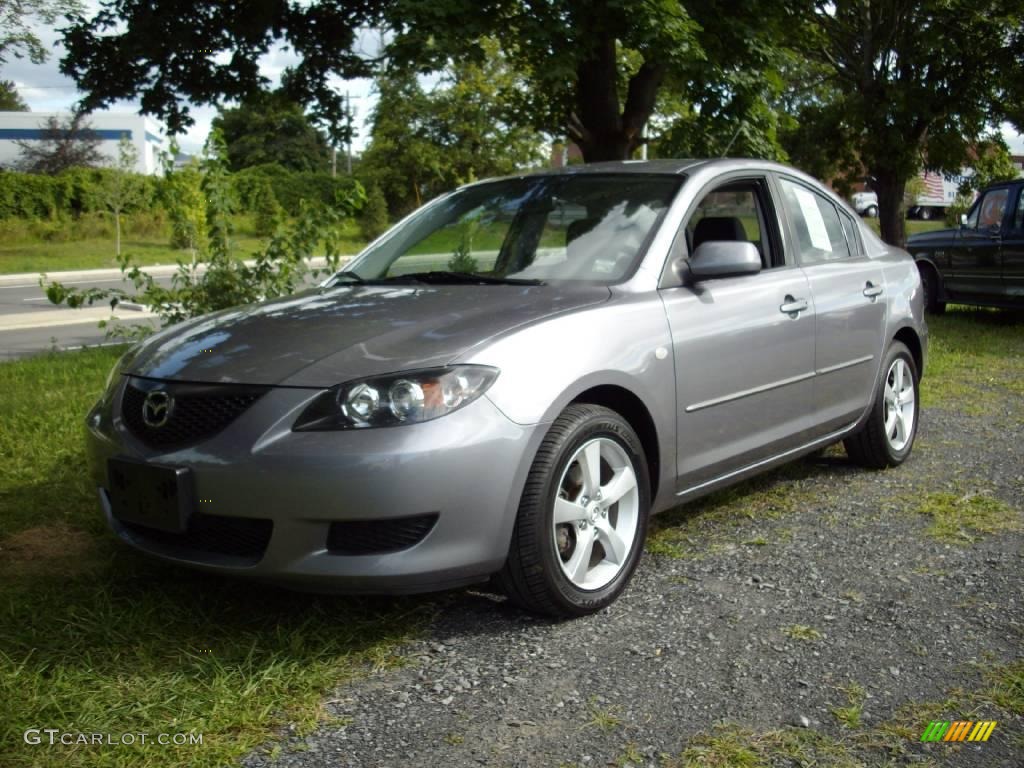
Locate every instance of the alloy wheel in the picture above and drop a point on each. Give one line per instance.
(596, 513)
(899, 410)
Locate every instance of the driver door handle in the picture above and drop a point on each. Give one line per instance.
(793, 307)
(873, 291)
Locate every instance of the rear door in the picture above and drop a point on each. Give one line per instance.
(743, 364)
(848, 290)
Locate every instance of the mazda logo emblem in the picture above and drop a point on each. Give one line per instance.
(156, 410)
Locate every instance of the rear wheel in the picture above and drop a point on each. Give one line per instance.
(582, 518)
(871, 212)
(925, 213)
(888, 436)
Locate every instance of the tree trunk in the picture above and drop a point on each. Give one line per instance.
(597, 126)
(890, 188)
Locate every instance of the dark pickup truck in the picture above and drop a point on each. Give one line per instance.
(981, 262)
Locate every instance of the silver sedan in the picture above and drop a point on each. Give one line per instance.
(513, 379)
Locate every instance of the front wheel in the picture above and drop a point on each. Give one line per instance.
(887, 437)
(582, 519)
(871, 212)
(930, 289)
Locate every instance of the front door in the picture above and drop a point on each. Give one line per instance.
(975, 269)
(744, 346)
(848, 290)
(1013, 255)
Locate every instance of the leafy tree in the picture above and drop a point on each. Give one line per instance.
(64, 144)
(269, 128)
(373, 219)
(909, 83)
(186, 207)
(17, 19)
(122, 188)
(172, 53)
(591, 69)
(267, 211)
(992, 164)
(425, 143)
(10, 99)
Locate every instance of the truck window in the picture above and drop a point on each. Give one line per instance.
(989, 211)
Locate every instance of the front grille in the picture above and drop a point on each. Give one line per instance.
(196, 411)
(374, 537)
(241, 540)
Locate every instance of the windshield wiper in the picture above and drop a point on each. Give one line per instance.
(442, 277)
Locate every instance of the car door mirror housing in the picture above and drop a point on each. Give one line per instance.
(724, 258)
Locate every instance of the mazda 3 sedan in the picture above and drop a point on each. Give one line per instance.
(513, 379)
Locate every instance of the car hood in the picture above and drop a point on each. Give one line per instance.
(322, 337)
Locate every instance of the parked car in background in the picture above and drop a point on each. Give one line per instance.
(980, 262)
(510, 381)
(938, 192)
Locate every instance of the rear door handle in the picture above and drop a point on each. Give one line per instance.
(793, 307)
(873, 291)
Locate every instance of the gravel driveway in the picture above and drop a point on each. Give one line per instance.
(814, 613)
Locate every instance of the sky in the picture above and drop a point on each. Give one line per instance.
(45, 89)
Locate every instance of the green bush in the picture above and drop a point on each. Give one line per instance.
(71, 193)
(373, 219)
(291, 188)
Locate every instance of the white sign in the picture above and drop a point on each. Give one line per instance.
(812, 215)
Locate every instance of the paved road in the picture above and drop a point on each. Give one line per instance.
(30, 324)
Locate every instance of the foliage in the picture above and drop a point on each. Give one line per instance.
(64, 144)
(424, 143)
(122, 188)
(992, 164)
(461, 260)
(170, 54)
(186, 207)
(18, 21)
(74, 192)
(292, 188)
(10, 99)
(961, 205)
(214, 279)
(373, 219)
(269, 128)
(268, 214)
(907, 81)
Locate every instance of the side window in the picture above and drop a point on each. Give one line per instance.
(852, 237)
(1018, 217)
(731, 212)
(989, 210)
(819, 231)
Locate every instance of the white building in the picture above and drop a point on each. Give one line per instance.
(144, 133)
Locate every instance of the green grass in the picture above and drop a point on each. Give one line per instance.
(802, 632)
(94, 638)
(965, 519)
(52, 247)
(975, 359)
(914, 226)
(850, 715)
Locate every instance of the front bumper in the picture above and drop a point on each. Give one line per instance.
(468, 468)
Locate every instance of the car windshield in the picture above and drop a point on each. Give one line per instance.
(590, 228)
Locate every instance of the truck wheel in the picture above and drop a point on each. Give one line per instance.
(931, 289)
(871, 212)
(925, 213)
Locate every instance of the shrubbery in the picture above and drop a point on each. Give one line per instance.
(68, 194)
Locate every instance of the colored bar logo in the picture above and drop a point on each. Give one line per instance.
(958, 730)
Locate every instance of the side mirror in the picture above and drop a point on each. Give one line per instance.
(724, 258)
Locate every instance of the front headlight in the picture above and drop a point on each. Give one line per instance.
(399, 398)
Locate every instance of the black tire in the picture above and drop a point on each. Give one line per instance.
(871, 212)
(931, 288)
(870, 446)
(925, 213)
(532, 576)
